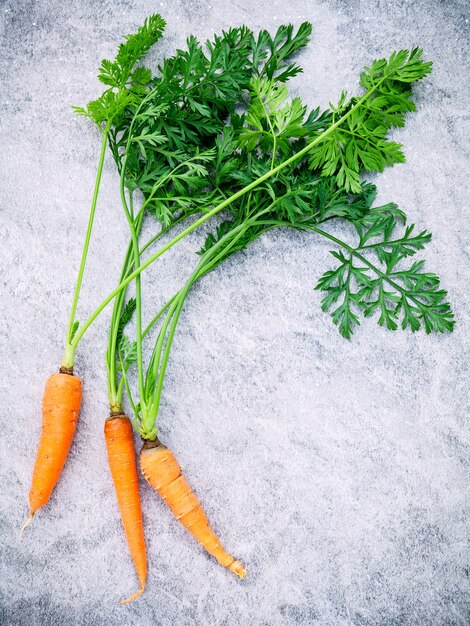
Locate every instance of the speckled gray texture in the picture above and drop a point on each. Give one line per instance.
(337, 471)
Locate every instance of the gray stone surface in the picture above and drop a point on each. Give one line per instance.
(337, 471)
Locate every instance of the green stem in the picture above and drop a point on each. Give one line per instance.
(68, 359)
(154, 320)
(115, 389)
(154, 362)
(149, 430)
(126, 382)
(138, 290)
(273, 135)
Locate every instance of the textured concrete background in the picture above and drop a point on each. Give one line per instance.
(337, 471)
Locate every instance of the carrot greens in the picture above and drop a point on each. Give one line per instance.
(275, 165)
(215, 131)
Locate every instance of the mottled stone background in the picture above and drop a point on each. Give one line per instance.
(337, 471)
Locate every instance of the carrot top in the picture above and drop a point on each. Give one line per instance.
(277, 166)
(192, 144)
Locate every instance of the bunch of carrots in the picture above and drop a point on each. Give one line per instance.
(214, 131)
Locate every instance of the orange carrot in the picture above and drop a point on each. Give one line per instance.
(163, 472)
(123, 467)
(60, 408)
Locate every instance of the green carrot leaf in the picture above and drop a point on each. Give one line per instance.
(127, 350)
(75, 326)
(126, 316)
(360, 142)
(116, 73)
(278, 51)
(371, 277)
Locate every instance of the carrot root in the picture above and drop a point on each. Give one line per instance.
(163, 472)
(60, 408)
(133, 597)
(123, 467)
(26, 523)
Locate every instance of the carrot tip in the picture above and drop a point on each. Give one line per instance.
(26, 523)
(237, 568)
(133, 597)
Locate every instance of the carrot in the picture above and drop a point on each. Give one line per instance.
(123, 467)
(60, 408)
(163, 472)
